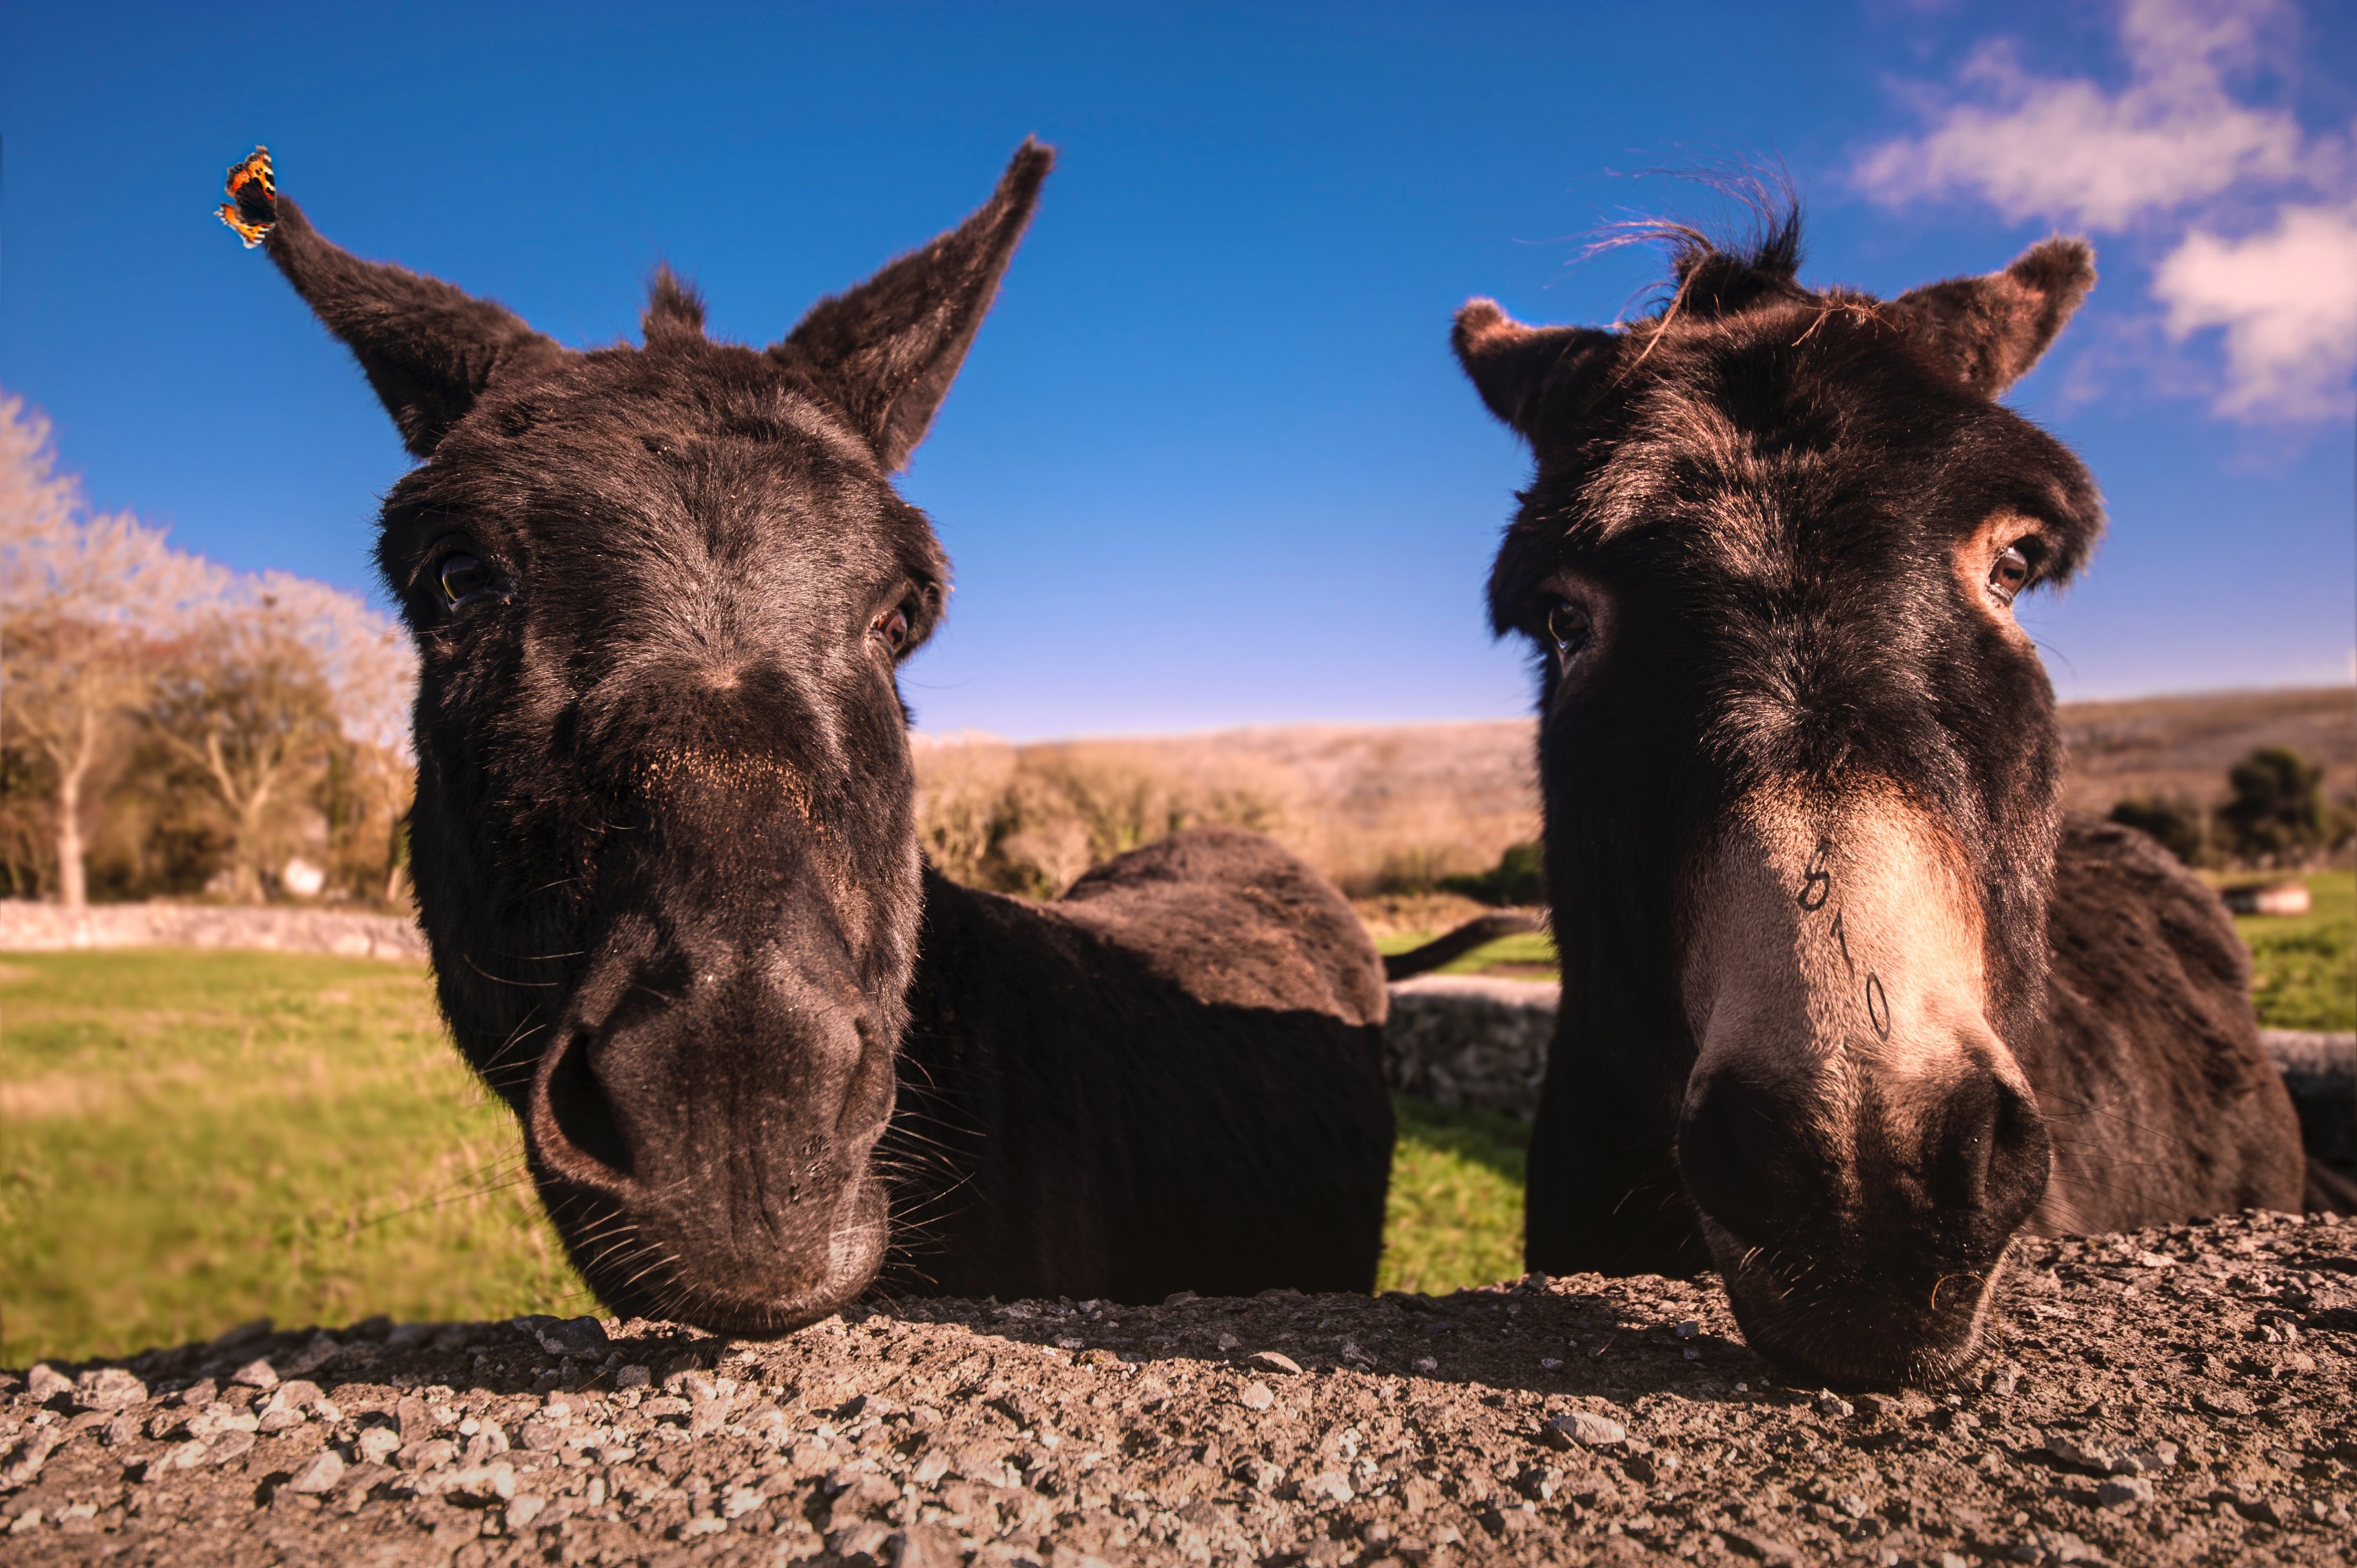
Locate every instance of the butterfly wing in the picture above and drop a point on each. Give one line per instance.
(253, 206)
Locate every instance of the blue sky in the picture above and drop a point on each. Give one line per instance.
(1210, 462)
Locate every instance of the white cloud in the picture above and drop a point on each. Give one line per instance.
(2066, 149)
(2287, 301)
(2177, 143)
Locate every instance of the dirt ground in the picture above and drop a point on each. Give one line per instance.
(2175, 1396)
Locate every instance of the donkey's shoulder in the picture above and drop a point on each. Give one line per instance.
(2152, 1038)
(2119, 894)
(1235, 920)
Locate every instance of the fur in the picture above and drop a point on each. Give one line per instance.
(1767, 514)
(667, 863)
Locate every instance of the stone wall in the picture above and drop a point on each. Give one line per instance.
(2320, 1070)
(26, 927)
(1463, 1039)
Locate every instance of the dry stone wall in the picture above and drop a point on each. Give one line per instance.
(27, 926)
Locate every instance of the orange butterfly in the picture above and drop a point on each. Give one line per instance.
(253, 206)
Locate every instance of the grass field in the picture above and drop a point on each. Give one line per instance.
(2304, 967)
(190, 1140)
(1533, 952)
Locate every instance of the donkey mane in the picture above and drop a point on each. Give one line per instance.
(1715, 274)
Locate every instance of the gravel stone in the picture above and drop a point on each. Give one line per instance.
(2080, 1456)
(233, 1444)
(297, 1395)
(2124, 1493)
(1327, 1486)
(1764, 1547)
(1587, 1430)
(108, 1388)
(941, 1431)
(1275, 1361)
(255, 1374)
(45, 1383)
(582, 1336)
(321, 1474)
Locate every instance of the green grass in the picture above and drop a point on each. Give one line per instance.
(1531, 949)
(190, 1140)
(2304, 967)
(1455, 1215)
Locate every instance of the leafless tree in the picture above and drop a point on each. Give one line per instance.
(87, 603)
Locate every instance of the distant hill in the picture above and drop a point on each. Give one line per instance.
(2184, 745)
(1373, 805)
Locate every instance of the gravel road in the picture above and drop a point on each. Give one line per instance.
(2174, 1397)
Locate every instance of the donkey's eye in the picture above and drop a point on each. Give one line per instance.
(1570, 628)
(2010, 572)
(894, 629)
(463, 578)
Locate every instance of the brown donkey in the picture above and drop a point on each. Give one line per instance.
(1848, 1002)
(666, 850)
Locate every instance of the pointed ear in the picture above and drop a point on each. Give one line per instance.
(1513, 367)
(1990, 329)
(429, 349)
(885, 352)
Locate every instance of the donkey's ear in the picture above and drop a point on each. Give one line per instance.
(885, 352)
(1990, 329)
(1513, 367)
(427, 349)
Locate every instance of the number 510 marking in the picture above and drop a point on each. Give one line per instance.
(1817, 888)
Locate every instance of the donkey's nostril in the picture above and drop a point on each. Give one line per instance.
(1746, 1154)
(1989, 1153)
(578, 1132)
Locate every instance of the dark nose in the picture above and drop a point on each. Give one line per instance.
(1752, 1154)
(1986, 1152)
(704, 1068)
(573, 1119)
(1954, 1170)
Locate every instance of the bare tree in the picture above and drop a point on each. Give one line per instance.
(85, 602)
(247, 703)
(370, 668)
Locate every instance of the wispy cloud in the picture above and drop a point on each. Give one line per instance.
(2174, 155)
(2287, 298)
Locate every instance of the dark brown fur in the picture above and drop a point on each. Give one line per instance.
(666, 854)
(1747, 564)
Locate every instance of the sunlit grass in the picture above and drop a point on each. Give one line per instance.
(1532, 951)
(189, 1140)
(2304, 967)
(194, 1139)
(1455, 1212)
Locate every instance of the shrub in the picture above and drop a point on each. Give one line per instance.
(1031, 821)
(2177, 822)
(2278, 811)
(1519, 877)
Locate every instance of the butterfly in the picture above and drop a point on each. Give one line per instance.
(253, 206)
